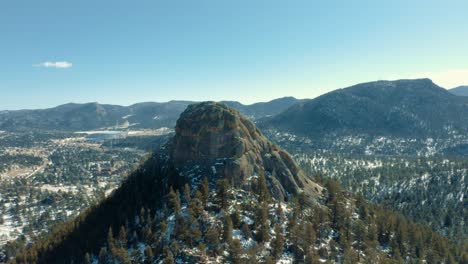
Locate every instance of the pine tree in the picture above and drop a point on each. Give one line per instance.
(182, 228)
(350, 256)
(279, 213)
(309, 235)
(87, 259)
(122, 256)
(252, 254)
(222, 193)
(262, 189)
(205, 190)
(110, 240)
(194, 233)
(246, 231)
(236, 218)
(212, 238)
(174, 201)
(149, 255)
(163, 227)
(202, 248)
(311, 257)
(169, 259)
(136, 256)
(270, 260)
(187, 193)
(196, 204)
(123, 237)
(175, 247)
(235, 251)
(227, 231)
(262, 225)
(142, 216)
(359, 235)
(102, 255)
(278, 242)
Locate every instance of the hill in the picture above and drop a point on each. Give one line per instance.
(400, 143)
(460, 91)
(403, 108)
(91, 116)
(220, 192)
(264, 109)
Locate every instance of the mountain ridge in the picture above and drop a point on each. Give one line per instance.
(460, 90)
(398, 108)
(91, 116)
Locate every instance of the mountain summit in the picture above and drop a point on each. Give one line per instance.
(221, 142)
(403, 108)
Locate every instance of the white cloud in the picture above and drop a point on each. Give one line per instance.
(55, 64)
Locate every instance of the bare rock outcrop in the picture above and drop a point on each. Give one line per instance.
(221, 142)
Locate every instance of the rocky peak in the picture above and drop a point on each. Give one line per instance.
(221, 142)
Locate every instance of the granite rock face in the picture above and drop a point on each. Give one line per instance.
(221, 142)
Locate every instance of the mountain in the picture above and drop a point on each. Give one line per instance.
(70, 116)
(400, 143)
(264, 109)
(220, 192)
(219, 140)
(403, 108)
(91, 116)
(460, 91)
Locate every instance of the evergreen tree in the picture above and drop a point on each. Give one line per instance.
(270, 260)
(136, 256)
(236, 218)
(227, 231)
(174, 200)
(235, 251)
(279, 213)
(102, 255)
(87, 259)
(196, 204)
(110, 241)
(194, 233)
(169, 258)
(149, 255)
(205, 190)
(222, 194)
(350, 256)
(187, 193)
(262, 225)
(278, 242)
(212, 239)
(262, 189)
(246, 231)
(123, 237)
(311, 257)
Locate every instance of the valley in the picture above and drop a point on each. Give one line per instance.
(49, 177)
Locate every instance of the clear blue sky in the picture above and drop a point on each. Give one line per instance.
(122, 52)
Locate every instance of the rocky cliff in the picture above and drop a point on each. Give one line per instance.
(216, 140)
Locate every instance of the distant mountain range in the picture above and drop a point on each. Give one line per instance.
(403, 108)
(89, 116)
(460, 91)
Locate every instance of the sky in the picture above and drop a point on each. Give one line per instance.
(123, 52)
